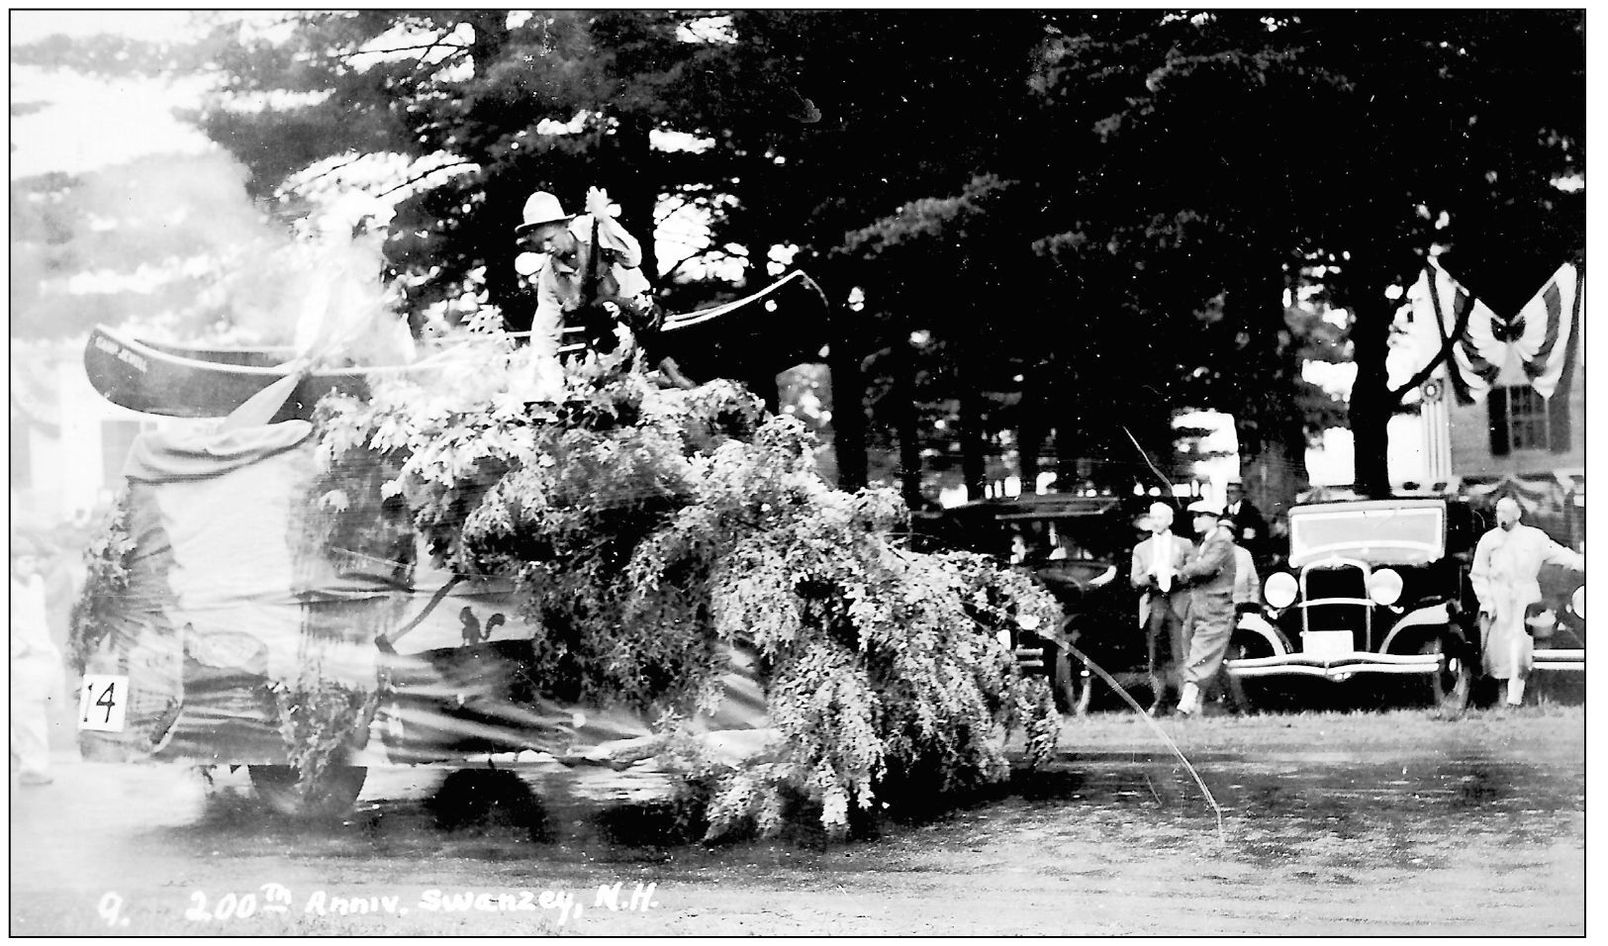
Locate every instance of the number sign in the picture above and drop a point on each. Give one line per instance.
(103, 702)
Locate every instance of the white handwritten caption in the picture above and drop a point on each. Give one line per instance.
(272, 898)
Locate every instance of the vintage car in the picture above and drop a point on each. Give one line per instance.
(1077, 546)
(1080, 547)
(1375, 587)
(1381, 588)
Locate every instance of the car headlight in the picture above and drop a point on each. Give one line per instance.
(1384, 586)
(1280, 589)
(1028, 622)
(1577, 602)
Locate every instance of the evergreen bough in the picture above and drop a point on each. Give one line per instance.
(647, 529)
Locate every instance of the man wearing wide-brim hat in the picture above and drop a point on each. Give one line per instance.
(590, 264)
(1209, 575)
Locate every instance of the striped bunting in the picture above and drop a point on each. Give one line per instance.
(1536, 342)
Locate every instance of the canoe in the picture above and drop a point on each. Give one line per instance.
(166, 380)
(754, 336)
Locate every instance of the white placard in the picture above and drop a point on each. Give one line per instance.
(102, 702)
(1328, 644)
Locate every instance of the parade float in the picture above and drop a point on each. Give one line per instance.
(353, 566)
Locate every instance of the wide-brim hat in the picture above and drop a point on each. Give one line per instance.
(541, 209)
(1205, 507)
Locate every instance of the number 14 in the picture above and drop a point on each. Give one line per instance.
(102, 705)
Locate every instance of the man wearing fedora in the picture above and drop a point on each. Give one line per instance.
(591, 275)
(1250, 527)
(1209, 574)
(1162, 603)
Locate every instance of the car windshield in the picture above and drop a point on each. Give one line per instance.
(1395, 535)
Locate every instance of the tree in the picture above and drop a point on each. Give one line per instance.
(1436, 114)
(809, 138)
(971, 239)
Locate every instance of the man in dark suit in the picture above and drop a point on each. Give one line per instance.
(1250, 528)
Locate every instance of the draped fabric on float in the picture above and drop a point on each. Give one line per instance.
(1538, 341)
(235, 587)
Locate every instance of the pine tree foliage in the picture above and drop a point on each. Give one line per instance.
(647, 530)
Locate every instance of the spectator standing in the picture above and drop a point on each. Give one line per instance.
(1250, 527)
(1209, 575)
(1507, 562)
(35, 667)
(1247, 582)
(1162, 603)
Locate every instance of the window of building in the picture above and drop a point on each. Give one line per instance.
(1527, 419)
(1521, 419)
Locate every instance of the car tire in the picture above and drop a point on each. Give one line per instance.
(1449, 687)
(1068, 682)
(1239, 694)
(277, 786)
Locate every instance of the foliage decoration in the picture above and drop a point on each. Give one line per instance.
(107, 559)
(318, 718)
(650, 530)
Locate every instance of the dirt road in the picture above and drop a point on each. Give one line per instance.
(1341, 824)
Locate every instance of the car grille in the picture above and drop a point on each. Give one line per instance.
(1332, 582)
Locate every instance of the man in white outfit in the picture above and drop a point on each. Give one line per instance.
(35, 667)
(1507, 561)
(1162, 603)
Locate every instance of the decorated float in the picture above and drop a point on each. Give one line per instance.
(349, 567)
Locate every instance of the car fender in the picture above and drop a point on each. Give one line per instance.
(1254, 623)
(1434, 615)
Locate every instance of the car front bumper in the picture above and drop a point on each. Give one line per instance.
(1562, 658)
(1344, 666)
(1335, 666)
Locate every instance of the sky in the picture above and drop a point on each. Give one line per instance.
(92, 124)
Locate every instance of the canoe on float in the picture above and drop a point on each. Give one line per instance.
(754, 336)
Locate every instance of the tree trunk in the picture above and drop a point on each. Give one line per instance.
(490, 36)
(1030, 429)
(1275, 477)
(973, 468)
(636, 187)
(906, 425)
(968, 384)
(504, 286)
(1069, 435)
(1268, 419)
(848, 399)
(1371, 406)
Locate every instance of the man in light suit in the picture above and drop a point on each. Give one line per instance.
(1209, 573)
(1162, 604)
